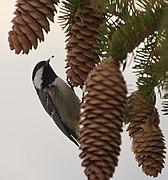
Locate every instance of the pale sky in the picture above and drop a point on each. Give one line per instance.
(31, 146)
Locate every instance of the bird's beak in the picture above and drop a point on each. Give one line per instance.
(48, 61)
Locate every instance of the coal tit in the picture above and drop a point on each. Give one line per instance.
(58, 99)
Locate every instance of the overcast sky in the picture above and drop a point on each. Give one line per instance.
(31, 146)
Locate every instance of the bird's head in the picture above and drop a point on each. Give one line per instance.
(43, 75)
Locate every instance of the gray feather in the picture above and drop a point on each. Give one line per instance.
(64, 109)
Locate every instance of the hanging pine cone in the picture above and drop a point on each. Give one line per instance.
(147, 138)
(101, 120)
(81, 44)
(28, 24)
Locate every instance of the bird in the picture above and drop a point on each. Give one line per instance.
(58, 99)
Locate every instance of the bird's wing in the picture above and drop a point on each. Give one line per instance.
(47, 102)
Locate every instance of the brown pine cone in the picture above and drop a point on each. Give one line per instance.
(81, 44)
(147, 138)
(101, 121)
(28, 24)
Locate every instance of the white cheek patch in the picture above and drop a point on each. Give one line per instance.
(38, 78)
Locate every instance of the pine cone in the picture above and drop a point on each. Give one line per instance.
(101, 120)
(81, 44)
(147, 138)
(28, 24)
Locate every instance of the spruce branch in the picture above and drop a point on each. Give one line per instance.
(145, 61)
(150, 63)
(121, 34)
(133, 32)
